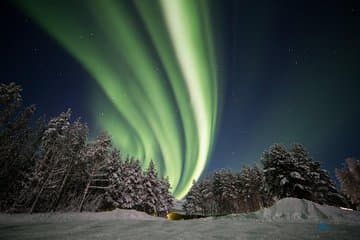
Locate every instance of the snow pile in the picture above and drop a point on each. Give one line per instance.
(118, 214)
(295, 210)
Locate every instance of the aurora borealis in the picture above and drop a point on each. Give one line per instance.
(194, 85)
(161, 98)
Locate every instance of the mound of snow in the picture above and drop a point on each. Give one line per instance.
(117, 214)
(294, 209)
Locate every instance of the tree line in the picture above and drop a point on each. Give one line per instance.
(52, 165)
(284, 173)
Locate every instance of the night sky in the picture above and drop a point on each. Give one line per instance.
(252, 73)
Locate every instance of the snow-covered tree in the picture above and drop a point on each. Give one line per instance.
(200, 199)
(113, 169)
(193, 200)
(51, 166)
(166, 200)
(224, 190)
(116, 182)
(61, 149)
(19, 138)
(349, 178)
(72, 164)
(303, 171)
(278, 166)
(294, 174)
(251, 189)
(131, 186)
(97, 155)
(152, 190)
(208, 204)
(10, 103)
(318, 185)
(325, 191)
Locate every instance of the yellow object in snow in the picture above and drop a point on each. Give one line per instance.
(174, 216)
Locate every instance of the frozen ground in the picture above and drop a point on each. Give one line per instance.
(288, 219)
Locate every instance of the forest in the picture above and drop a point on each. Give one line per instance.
(285, 173)
(52, 165)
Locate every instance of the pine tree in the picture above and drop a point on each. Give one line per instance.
(224, 190)
(295, 174)
(114, 168)
(349, 178)
(131, 186)
(152, 190)
(240, 185)
(97, 156)
(277, 168)
(47, 167)
(193, 200)
(303, 166)
(50, 168)
(166, 200)
(318, 185)
(62, 144)
(10, 103)
(73, 157)
(19, 139)
(207, 204)
(253, 188)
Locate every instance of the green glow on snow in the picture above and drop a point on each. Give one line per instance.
(157, 71)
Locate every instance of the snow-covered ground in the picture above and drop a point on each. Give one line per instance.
(299, 211)
(288, 219)
(118, 214)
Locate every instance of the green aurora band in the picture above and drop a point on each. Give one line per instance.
(154, 62)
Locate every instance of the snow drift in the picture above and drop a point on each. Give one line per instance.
(301, 210)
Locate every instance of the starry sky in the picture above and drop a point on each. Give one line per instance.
(196, 86)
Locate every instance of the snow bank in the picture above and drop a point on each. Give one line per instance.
(300, 210)
(118, 214)
(288, 219)
(285, 210)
